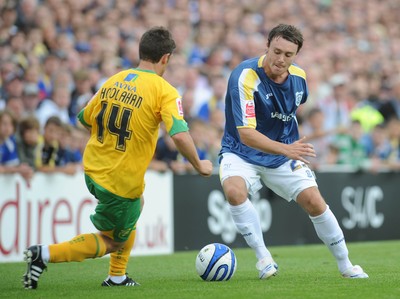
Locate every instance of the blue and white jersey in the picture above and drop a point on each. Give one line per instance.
(8, 152)
(255, 101)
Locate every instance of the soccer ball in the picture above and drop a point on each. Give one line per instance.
(216, 262)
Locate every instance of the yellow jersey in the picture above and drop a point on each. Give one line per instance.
(124, 116)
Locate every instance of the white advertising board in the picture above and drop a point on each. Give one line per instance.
(54, 208)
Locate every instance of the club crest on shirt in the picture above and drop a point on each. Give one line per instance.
(299, 96)
(179, 106)
(250, 109)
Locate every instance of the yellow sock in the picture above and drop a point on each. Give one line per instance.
(78, 249)
(119, 259)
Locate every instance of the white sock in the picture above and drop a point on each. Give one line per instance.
(45, 254)
(329, 231)
(117, 279)
(247, 222)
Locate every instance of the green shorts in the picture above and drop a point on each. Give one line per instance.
(113, 212)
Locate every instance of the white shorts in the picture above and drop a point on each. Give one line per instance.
(288, 180)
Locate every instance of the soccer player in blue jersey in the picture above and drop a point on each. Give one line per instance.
(261, 142)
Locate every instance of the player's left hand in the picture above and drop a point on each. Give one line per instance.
(299, 150)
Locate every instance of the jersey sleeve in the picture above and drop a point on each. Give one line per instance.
(85, 116)
(299, 72)
(242, 93)
(172, 112)
(305, 95)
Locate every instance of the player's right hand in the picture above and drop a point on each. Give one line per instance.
(205, 168)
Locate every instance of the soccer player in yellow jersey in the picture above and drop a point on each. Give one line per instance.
(123, 118)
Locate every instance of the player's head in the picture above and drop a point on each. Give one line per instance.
(289, 33)
(155, 43)
(284, 42)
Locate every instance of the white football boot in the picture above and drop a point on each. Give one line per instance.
(355, 272)
(267, 267)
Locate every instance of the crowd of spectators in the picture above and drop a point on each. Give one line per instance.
(54, 55)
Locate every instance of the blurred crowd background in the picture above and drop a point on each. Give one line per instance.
(55, 54)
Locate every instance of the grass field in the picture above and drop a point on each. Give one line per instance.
(304, 272)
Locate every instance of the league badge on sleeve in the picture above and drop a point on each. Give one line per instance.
(250, 109)
(179, 106)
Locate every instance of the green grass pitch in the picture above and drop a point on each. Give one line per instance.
(306, 271)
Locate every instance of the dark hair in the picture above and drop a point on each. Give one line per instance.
(288, 32)
(155, 43)
(28, 123)
(54, 120)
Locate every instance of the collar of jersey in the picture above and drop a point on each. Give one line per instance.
(146, 71)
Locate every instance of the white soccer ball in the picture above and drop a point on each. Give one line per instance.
(216, 262)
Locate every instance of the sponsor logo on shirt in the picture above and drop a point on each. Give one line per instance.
(250, 109)
(281, 116)
(131, 77)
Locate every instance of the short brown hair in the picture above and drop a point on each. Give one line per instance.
(54, 120)
(28, 123)
(288, 32)
(155, 43)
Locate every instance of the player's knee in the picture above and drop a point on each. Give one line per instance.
(234, 194)
(316, 209)
(114, 246)
(111, 245)
(312, 202)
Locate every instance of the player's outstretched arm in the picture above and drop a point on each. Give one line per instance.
(296, 151)
(184, 144)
